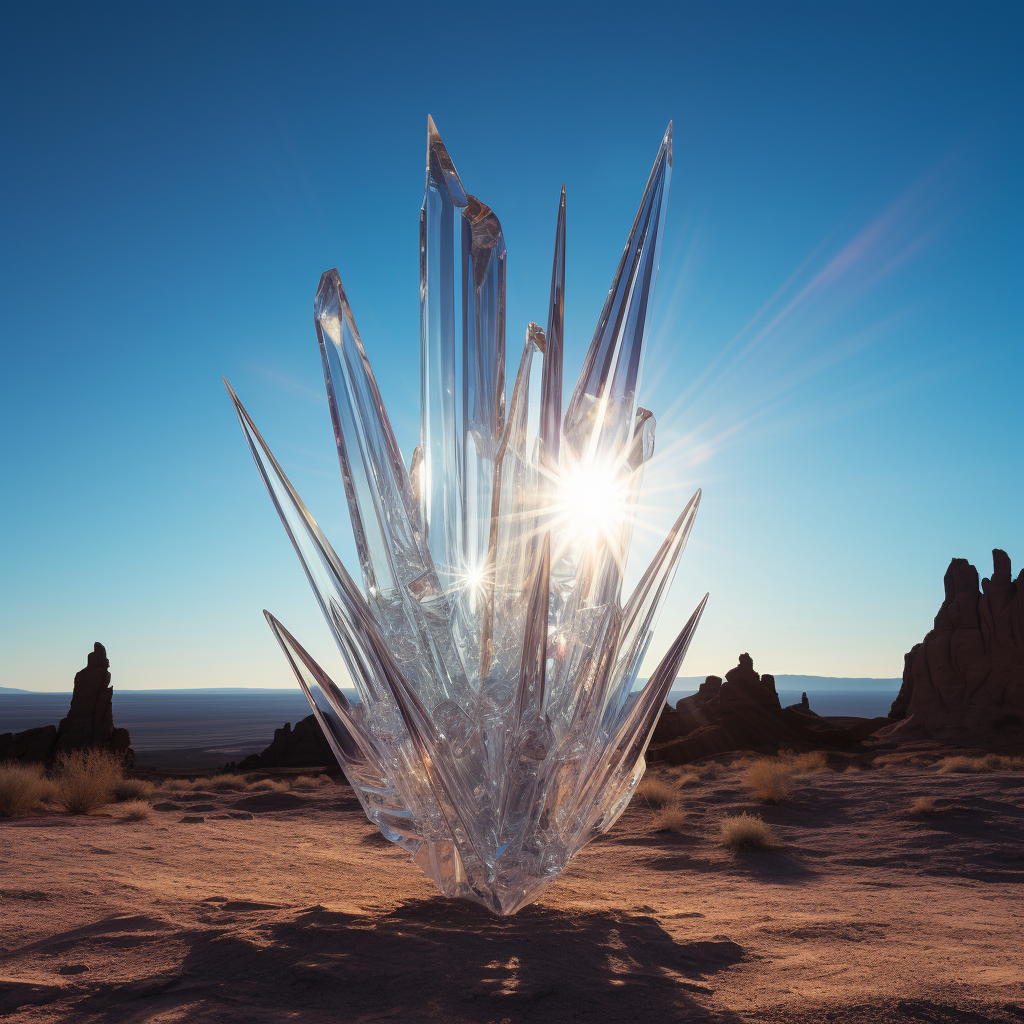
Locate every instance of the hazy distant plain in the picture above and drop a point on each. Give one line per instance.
(209, 727)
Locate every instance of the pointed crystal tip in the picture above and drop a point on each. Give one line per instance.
(667, 142)
(437, 150)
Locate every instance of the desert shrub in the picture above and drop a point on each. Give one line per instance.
(309, 783)
(226, 784)
(811, 761)
(987, 763)
(747, 832)
(686, 778)
(769, 778)
(22, 786)
(86, 779)
(177, 785)
(656, 791)
(266, 786)
(132, 789)
(135, 810)
(670, 818)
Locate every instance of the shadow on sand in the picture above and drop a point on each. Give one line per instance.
(428, 960)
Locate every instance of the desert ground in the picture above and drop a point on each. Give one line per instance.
(288, 905)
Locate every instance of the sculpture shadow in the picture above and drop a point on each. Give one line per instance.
(434, 959)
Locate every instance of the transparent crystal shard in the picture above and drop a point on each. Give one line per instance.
(440, 440)
(401, 585)
(600, 413)
(606, 792)
(551, 394)
(499, 725)
(483, 373)
(640, 616)
(514, 527)
(355, 747)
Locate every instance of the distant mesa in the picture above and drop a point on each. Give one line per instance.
(305, 746)
(743, 712)
(964, 683)
(89, 722)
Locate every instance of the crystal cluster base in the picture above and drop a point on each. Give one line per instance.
(499, 726)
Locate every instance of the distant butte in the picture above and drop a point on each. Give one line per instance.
(89, 722)
(743, 712)
(964, 683)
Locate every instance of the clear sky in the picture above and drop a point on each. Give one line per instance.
(835, 357)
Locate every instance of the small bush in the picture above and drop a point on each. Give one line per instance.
(267, 786)
(657, 792)
(86, 779)
(769, 779)
(747, 832)
(670, 818)
(132, 789)
(177, 785)
(135, 810)
(22, 786)
(988, 763)
(309, 783)
(226, 784)
(811, 761)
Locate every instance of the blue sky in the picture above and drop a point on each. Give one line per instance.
(836, 349)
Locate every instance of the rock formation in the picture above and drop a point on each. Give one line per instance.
(30, 745)
(90, 720)
(301, 747)
(964, 683)
(89, 723)
(744, 713)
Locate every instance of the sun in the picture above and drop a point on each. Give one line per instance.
(593, 500)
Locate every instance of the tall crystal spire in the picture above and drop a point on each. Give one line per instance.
(498, 722)
(600, 412)
(440, 436)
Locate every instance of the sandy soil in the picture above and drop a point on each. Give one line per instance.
(304, 913)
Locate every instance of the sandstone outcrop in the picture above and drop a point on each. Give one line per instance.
(301, 747)
(743, 712)
(965, 681)
(89, 722)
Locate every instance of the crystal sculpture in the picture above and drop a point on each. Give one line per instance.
(499, 725)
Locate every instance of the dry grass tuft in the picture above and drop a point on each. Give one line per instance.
(132, 789)
(811, 761)
(309, 783)
(769, 779)
(135, 810)
(177, 785)
(22, 787)
(687, 779)
(988, 763)
(226, 784)
(747, 832)
(267, 786)
(657, 792)
(86, 779)
(670, 818)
